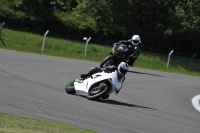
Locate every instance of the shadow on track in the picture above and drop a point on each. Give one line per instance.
(109, 101)
(114, 102)
(145, 73)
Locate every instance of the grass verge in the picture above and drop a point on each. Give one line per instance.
(14, 124)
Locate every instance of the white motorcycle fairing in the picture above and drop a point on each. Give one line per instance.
(114, 80)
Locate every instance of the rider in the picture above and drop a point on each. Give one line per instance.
(121, 68)
(134, 45)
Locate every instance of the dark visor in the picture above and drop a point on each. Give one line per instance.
(135, 41)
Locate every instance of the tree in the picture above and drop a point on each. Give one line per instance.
(63, 5)
(189, 12)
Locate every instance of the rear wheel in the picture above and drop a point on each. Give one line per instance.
(70, 88)
(97, 92)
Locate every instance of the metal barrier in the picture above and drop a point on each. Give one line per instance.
(1, 25)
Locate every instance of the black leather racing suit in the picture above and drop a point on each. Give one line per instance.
(134, 50)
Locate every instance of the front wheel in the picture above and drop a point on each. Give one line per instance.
(107, 61)
(70, 88)
(97, 92)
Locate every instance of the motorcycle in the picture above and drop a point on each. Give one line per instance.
(99, 85)
(118, 54)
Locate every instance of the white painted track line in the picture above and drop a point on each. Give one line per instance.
(196, 102)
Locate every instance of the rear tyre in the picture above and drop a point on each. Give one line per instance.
(95, 93)
(70, 88)
(107, 61)
(105, 96)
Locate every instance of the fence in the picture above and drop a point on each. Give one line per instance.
(177, 64)
(60, 44)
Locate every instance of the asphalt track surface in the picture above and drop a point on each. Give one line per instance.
(33, 85)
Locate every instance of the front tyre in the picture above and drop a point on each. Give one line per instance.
(97, 92)
(70, 88)
(107, 61)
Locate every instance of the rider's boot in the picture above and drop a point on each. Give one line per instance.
(92, 71)
(84, 76)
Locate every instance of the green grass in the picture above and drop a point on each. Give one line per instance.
(14, 124)
(29, 42)
(177, 64)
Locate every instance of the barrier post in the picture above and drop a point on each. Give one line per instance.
(86, 45)
(44, 40)
(169, 58)
(1, 25)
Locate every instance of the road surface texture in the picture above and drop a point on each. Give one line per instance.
(33, 86)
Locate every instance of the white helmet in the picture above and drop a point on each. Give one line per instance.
(136, 40)
(123, 68)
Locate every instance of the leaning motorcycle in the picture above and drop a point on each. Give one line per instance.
(118, 54)
(99, 85)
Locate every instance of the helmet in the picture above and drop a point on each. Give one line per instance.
(136, 40)
(123, 68)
